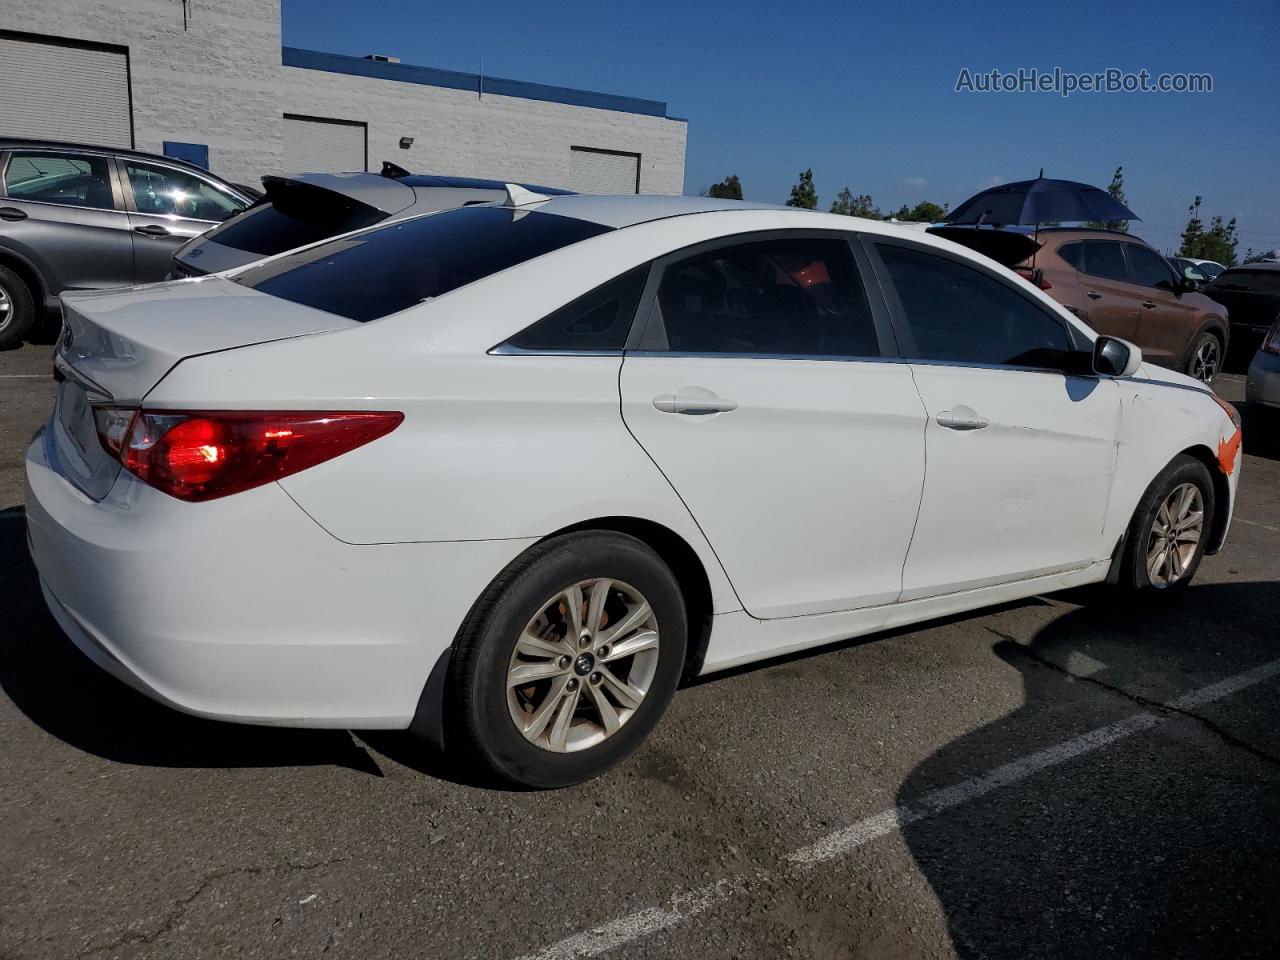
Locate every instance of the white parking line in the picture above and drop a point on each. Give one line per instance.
(25, 376)
(1255, 523)
(686, 906)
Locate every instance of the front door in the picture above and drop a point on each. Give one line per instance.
(1165, 323)
(1019, 454)
(169, 207)
(760, 391)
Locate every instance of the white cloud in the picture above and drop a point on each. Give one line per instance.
(992, 181)
(915, 181)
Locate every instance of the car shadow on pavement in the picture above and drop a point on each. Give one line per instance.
(64, 693)
(1160, 844)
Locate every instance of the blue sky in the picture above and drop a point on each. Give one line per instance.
(864, 93)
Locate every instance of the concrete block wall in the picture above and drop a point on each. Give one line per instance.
(220, 81)
(507, 138)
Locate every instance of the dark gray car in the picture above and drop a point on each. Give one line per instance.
(302, 209)
(76, 217)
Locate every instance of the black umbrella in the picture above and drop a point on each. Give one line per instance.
(1040, 201)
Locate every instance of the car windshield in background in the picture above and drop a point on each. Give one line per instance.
(389, 269)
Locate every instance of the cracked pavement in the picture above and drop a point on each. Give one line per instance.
(131, 831)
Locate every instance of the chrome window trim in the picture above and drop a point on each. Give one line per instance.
(506, 349)
(62, 206)
(810, 357)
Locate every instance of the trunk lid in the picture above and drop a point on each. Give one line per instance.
(116, 345)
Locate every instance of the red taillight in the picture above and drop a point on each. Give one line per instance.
(1035, 276)
(203, 455)
(1271, 343)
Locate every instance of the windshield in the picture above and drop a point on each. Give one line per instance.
(388, 269)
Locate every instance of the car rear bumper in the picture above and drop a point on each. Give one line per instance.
(1263, 387)
(243, 608)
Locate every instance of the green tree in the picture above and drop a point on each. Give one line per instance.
(727, 189)
(803, 193)
(1217, 243)
(926, 211)
(860, 206)
(1116, 189)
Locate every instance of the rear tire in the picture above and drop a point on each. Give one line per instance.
(1205, 359)
(17, 309)
(1170, 529)
(583, 706)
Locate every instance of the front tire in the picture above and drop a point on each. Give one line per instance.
(1170, 529)
(1206, 358)
(17, 309)
(568, 660)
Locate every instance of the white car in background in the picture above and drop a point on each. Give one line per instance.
(511, 472)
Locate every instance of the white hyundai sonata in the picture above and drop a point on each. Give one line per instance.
(504, 475)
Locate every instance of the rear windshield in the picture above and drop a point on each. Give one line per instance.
(389, 269)
(297, 214)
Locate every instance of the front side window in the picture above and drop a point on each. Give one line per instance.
(960, 314)
(390, 268)
(800, 297)
(1105, 259)
(166, 191)
(76, 180)
(1148, 268)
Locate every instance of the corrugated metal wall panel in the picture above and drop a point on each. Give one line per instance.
(592, 172)
(57, 92)
(314, 146)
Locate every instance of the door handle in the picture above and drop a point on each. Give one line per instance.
(1094, 295)
(962, 418)
(693, 402)
(152, 230)
(1148, 304)
(12, 214)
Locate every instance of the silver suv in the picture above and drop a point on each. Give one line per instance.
(76, 217)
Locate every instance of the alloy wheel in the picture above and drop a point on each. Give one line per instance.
(6, 307)
(1175, 535)
(583, 665)
(1204, 365)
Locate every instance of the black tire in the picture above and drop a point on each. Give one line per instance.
(479, 721)
(1133, 571)
(17, 320)
(1205, 344)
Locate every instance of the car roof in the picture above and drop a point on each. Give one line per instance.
(17, 143)
(473, 183)
(626, 210)
(1257, 265)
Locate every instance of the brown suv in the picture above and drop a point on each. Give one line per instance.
(1119, 285)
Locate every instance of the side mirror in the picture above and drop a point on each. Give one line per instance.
(1187, 285)
(1113, 357)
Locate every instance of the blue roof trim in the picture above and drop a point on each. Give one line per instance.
(454, 80)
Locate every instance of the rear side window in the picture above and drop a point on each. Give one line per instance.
(599, 320)
(388, 269)
(960, 314)
(1073, 253)
(76, 180)
(799, 297)
(298, 214)
(1253, 281)
(1105, 259)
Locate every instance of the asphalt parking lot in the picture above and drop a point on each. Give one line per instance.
(1062, 777)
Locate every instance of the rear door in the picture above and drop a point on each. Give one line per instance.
(63, 211)
(1165, 323)
(167, 207)
(1019, 453)
(1110, 302)
(764, 385)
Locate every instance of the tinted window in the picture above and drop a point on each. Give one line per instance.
(1253, 281)
(600, 320)
(387, 269)
(1147, 267)
(1104, 258)
(801, 297)
(172, 192)
(961, 314)
(298, 214)
(1073, 253)
(73, 179)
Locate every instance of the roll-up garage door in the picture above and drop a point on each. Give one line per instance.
(319, 145)
(64, 90)
(603, 171)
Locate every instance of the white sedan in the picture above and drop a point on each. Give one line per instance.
(505, 475)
